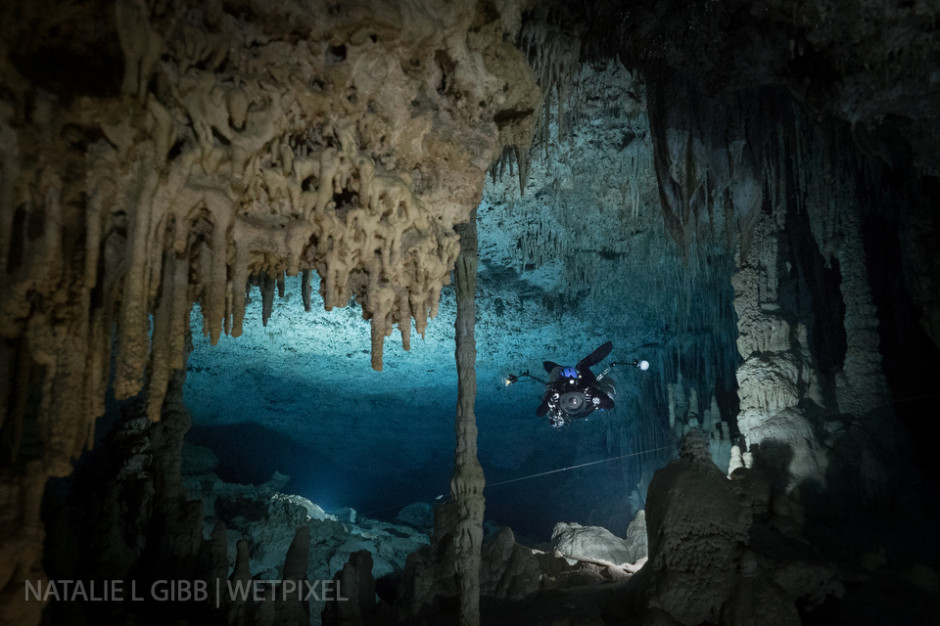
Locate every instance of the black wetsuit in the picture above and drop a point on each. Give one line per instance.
(574, 398)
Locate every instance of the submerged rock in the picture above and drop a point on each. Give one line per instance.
(577, 542)
(263, 522)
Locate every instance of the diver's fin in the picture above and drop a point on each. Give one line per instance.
(597, 356)
(550, 365)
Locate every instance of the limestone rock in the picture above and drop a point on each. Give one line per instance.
(429, 574)
(237, 611)
(293, 608)
(357, 587)
(268, 519)
(575, 541)
(787, 442)
(696, 529)
(419, 514)
(756, 600)
(508, 570)
(636, 539)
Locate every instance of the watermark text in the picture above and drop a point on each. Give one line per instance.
(228, 591)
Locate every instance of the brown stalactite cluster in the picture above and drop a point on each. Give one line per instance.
(201, 147)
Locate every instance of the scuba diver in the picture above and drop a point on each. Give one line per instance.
(574, 392)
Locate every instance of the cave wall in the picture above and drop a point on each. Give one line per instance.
(165, 153)
(795, 149)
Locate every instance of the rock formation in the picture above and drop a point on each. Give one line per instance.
(466, 486)
(691, 503)
(136, 522)
(157, 155)
(576, 542)
(359, 606)
(151, 524)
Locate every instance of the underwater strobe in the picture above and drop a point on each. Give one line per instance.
(512, 379)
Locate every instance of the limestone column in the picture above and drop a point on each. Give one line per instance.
(860, 386)
(466, 486)
(776, 371)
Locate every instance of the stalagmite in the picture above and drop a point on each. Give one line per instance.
(355, 603)
(238, 610)
(769, 389)
(293, 608)
(466, 486)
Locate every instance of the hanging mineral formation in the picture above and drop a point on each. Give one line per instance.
(198, 149)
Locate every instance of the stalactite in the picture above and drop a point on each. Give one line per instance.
(133, 339)
(168, 336)
(555, 56)
(835, 224)
(267, 296)
(305, 289)
(467, 483)
(228, 152)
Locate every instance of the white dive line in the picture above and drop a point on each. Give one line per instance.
(565, 469)
(554, 471)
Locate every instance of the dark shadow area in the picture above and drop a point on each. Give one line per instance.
(112, 522)
(77, 55)
(869, 522)
(815, 288)
(911, 359)
(250, 453)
